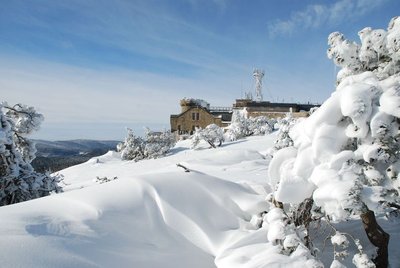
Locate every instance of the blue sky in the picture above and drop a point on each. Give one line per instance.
(94, 67)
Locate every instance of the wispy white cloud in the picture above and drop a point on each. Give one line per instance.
(72, 94)
(66, 94)
(135, 27)
(102, 93)
(315, 16)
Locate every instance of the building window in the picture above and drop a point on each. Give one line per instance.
(196, 116)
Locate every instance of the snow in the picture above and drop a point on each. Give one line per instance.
(152, 215)
(340, 240)
(337, 264)
(390, 100)
(281, 158)
(362, 261)
(345, 155)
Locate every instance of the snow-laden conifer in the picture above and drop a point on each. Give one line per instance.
(261, 125)
(132, 148)
(285, 124)
(158, 144)
(212, 134)
(154, 145)
(18, 181)
(239, 126)
(242, 125)
(346, 155)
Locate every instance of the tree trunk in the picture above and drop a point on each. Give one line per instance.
(303, 217)
(212, 144)
(277, 203)
(378, 237)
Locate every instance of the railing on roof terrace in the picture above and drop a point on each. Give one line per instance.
(220, 109)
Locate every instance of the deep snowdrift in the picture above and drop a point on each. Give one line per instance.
(155, 214)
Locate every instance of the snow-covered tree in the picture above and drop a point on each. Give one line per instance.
(346, 155)
(285, 124)
(239, 127)
(154, 145)
(242, 126)
(132, 148)
(18, 180)
(212, 134)
(158, 143)
(261, 125)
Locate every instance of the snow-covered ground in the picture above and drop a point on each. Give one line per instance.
(154, 214)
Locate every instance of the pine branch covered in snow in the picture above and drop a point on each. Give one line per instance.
(289, 238)
(378, 51)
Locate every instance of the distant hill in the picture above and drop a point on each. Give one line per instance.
(56, 155)
(72, 147)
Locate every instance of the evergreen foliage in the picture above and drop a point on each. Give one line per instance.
(154, 145)
(285, 125)
(18, 180)
(158, 144)
(346, 155)
(212, 134)
(132, 148)
(243, 126)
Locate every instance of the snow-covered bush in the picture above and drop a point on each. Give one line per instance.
(346, 155)
(154, 145)
(101, 180)
(18, 181)
(285, 125)
(239, 127)
(212, 134)
(260, 125)
(158, 144)
(132, 148)
(242, 126)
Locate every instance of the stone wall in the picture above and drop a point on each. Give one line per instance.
(192, 118)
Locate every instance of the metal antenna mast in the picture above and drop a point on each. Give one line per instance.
(258, 75)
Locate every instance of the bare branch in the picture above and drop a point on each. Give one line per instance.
(182, 166)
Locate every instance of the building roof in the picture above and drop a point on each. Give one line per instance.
(224, 115)
(241, 103)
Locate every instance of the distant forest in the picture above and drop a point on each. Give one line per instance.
(53, 156)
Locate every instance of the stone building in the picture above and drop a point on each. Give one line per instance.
(272, 109)
(198, 113)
